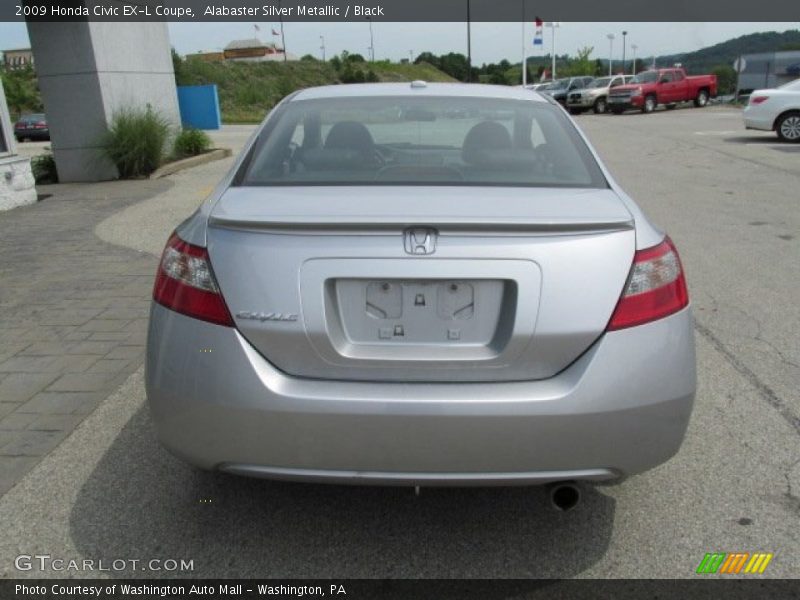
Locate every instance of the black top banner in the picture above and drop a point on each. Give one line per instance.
(397, 10)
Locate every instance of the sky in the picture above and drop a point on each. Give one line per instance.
(491, 42)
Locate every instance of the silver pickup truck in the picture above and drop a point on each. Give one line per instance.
(595, 95)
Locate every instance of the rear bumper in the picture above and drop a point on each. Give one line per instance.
(620, 409)
(754, 120)
(33, 134)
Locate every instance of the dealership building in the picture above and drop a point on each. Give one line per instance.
(767, 69)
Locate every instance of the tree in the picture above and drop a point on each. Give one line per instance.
(582, 64)
(726, 78)
(427, 57)
(178, 68)
(22, 92)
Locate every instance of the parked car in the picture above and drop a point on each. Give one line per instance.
(464, 302)
(32, 127)
(595, 95)
(538, 86)
(561, 87)
(776, 110)
(662, 86)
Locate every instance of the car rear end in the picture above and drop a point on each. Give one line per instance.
(32, 127)
(759, 113)
(461, 312)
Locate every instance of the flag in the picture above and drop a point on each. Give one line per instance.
(545, 75)
(537, 36)
(256, 27)
(275, 32)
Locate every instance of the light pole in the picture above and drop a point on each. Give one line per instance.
(624, 37)
(610, 37)
(322, 46)
(634, 47)
(553, 25)
(371, 42)
(410, 57)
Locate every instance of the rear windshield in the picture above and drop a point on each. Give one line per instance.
(420, 141)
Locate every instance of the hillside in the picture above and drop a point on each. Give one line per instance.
(724, 53)
(248, 90)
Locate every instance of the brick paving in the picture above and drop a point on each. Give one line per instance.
(73, 316)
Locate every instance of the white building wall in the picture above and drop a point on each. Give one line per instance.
(17, 186)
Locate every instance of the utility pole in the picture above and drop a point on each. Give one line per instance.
(322, 46)
(469, 46)
(610, 37)
(283, 38)
(524, 50)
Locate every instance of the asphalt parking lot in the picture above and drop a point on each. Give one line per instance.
(729, 200)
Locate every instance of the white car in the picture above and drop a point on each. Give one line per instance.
(776, 110)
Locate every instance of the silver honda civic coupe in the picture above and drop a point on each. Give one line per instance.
(420, 284)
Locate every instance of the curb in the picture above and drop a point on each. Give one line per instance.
(192, 161)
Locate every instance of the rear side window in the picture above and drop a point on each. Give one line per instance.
(384, 140)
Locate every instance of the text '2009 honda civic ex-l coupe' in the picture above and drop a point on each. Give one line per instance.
(420, 284)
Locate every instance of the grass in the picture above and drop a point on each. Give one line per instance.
(190, 142)
(135, 141)
(247, 91)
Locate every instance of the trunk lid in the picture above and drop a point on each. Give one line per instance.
(421, 283)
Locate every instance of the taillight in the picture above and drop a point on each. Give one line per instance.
(758, 99)
(656, 287)
(185, 283)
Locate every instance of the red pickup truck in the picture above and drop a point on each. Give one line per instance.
(662, 86)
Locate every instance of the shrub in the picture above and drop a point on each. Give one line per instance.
(44, 168)
(135, 141)
(191, 142)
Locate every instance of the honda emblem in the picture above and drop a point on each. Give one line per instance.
(420, 240)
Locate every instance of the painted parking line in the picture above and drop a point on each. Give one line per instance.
(726, 132)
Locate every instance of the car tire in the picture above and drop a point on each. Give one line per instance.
(702, 99)
(650, 103)
(788, 127)
(600, 106)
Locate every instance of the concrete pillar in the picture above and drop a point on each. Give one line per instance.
(88, 71)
